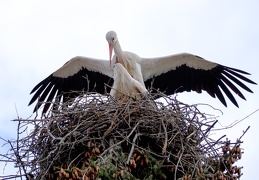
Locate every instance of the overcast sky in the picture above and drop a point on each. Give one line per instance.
(37, 37)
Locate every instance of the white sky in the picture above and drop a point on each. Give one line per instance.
(37, 37)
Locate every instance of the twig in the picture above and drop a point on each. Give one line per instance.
(132, 147)
(244, 132)
(237, 121)
(179, 160)
(166, 138)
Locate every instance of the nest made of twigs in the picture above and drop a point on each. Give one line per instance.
(96, 137)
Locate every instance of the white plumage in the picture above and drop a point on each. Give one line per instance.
(124, 86)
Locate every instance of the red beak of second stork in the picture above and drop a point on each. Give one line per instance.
(111, 47)
(110, 52)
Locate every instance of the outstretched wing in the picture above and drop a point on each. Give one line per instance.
(78, 74)
(187, 72)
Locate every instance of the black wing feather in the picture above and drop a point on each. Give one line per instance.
(39, 87)
(214, 81)
(57, 88)
(228, 73)
(233, 87)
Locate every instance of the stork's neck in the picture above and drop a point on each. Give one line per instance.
(122, 58)
(119, 53)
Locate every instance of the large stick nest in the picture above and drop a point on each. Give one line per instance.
(99, 138)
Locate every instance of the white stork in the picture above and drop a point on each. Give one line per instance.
(169, 74)
(124, 86)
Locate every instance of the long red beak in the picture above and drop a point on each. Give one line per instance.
(110, 51)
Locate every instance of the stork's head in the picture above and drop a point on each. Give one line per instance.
(119, 72)
(111, 37)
